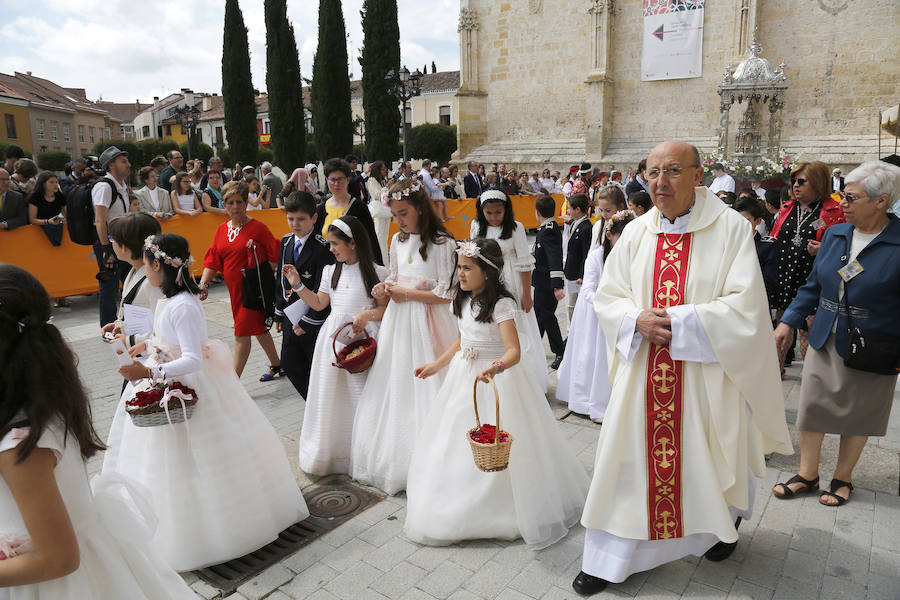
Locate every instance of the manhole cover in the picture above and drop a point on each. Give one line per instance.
(333, 502)
(329, 503)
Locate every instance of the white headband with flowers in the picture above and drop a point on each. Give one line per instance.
(622, 215)
(470, 249)
(386, 196)
(169, 260)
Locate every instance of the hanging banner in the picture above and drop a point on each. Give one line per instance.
(673, 39)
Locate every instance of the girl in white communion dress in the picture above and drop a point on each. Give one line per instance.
(59, 538)
(542, 492)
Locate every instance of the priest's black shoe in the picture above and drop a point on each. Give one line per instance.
(722, 550)
(556, 362)
(588, 585)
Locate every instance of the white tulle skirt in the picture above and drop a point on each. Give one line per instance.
(394, 402)
(538, 498)
(117, 559)
(221, 483)
(532, 345)
(583, 374)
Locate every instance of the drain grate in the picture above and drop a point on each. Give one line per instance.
(331, 503)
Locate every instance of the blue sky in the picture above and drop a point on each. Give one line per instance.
(124, 50)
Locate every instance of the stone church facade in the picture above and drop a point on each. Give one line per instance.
(559, 81)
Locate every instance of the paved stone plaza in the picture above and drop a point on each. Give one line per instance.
(791, 550)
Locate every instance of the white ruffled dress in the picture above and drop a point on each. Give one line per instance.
(117, 559)
(334, 393)
(542, 492)
(518, 259)
(394, 402)
(221, 484)
(583, 374)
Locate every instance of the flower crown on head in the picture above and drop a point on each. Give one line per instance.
(386, 196)
(160, 255)
(622, 215)
(470, 249)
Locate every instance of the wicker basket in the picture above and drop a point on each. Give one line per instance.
(159, 418)
(154, 415)
(489, 457)
(361, 361)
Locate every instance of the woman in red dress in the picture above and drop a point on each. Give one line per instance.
(228, 255)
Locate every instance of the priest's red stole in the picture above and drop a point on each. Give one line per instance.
(664, 397)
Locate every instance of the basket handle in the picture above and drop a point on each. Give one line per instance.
(496, 397)
(340, 329)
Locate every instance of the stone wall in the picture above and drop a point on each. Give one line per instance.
(534, 63)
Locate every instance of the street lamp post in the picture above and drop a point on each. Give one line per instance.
(187, 117)
(404, 86)
(359, 130)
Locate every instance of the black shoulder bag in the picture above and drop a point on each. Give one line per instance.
(870, 351)
(258, 287)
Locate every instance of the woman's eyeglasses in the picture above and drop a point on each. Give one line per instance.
(798, 181)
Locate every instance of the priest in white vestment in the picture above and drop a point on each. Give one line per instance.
(696, 391)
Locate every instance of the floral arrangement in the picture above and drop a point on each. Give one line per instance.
(149, 400)
(486, 434)
(355, 352)
(766, 168)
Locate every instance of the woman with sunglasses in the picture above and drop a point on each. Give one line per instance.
(798, 230)
(853, 288)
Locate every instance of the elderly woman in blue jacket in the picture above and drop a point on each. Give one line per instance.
(858, 266)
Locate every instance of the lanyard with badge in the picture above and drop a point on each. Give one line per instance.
(851, 269)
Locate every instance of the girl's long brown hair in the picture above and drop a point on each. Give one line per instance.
(39, 381)
(431, 229)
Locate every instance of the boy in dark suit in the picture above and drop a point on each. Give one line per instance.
(547, 277)
(309, 253)
(578, 247)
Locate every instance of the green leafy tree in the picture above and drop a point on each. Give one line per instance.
(332, 119)
(198, 150)
(432, 140)
(135, 152)
(284, 87)
(380, 53)
(237, 87)
(152, 147)
(53, 160)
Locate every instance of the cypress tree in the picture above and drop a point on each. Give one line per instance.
(284, 87)
(332, 120)
(380, 53)
(237, 88)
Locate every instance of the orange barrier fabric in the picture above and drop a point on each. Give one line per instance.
(70, 269)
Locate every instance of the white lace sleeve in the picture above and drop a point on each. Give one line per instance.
(504, 310)
(395, 250)
(524, 262)
(473, 229)
(382, 272)
(445, 263)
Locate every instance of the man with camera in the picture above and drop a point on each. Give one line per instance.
(111, 198)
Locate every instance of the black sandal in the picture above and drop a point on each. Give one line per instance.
(811, 485)
(833, 487)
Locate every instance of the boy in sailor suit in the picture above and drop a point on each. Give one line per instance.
(309, 253)
(547, 277)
